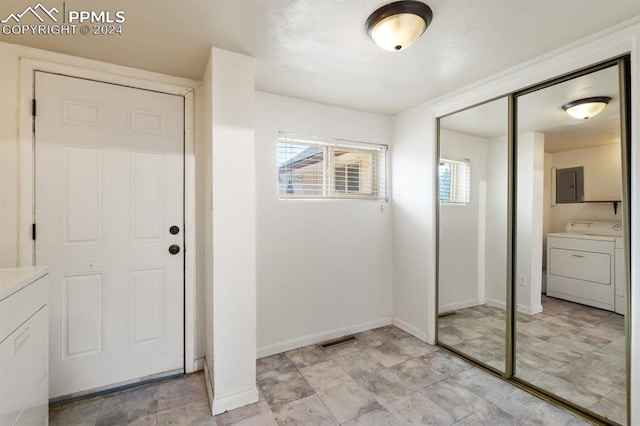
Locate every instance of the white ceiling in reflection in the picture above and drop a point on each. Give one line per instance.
(541, 111)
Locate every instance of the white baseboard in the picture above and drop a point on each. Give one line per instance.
(414, 331)
(494, 303)
(209, 385)
(237, 400)
(521, 308)
(310, 339)
(221, 405)
(529, 310)
(460, 305)
(198, 364)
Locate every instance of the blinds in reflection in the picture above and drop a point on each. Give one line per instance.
(454, 181)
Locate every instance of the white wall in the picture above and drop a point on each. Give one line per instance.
(602, 181)
(496, 223)
(324, 266)
(530, 184)
(231, 361)
(462, 228)
(204, 218)
(414, 191)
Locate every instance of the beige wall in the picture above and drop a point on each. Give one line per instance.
(9, 86)
(602, 181)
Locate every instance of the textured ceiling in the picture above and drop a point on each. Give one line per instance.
(319, 50)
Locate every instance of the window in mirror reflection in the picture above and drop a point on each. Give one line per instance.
(455, 181)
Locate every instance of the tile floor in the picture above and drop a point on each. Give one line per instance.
(386, 377)
(575, 351)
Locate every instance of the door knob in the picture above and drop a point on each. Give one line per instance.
(174, 249)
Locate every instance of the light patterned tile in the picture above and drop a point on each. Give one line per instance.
(348, 401)
(416, 409)
(385, 385)
(445, 363)
(416, 374)
(285, 392)
(148, 420)
(482, 384)
(325, 375)
(614, 409)
(530, 410)
(83, 413)
(380, 417)
(181, 391)
(489, 415)
(414, 347)
(262, 419)
(455, 400)
(128, 406)
(388, 354)
(359, 364)
(307, 356)
(368, 339)
(305, 411)
(192, 414)
(275, 369)
(242, 413)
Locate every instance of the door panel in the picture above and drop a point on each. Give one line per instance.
(109, 185)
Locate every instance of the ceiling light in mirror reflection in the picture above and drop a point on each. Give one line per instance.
(583, 109)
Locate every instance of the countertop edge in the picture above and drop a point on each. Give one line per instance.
(19, 278)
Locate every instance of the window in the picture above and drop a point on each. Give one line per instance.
(320, 168)
(454, 181)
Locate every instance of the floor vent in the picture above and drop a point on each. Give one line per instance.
(339, 341)
(446, 314)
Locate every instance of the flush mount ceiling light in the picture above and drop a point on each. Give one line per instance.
(397, 25)
(586, 108)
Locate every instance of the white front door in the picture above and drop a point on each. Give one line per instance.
(109, 204)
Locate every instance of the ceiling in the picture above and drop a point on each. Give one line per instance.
(541, 111)
(318, 49)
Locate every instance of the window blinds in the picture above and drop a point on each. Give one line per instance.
(454, 181)
(319, 168)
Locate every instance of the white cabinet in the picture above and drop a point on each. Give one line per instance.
(24, 343)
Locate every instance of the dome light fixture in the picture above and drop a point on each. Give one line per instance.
(397, 25)
(583, 109)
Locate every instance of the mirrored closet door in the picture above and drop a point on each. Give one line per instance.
(533, 241)
(473, 199)
(569, 270)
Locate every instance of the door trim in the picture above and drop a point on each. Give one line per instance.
(135, 79)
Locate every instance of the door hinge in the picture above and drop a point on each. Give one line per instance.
(33, 107)
(33, 231)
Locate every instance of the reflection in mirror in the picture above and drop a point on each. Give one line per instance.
(472, 240)
(569, 270)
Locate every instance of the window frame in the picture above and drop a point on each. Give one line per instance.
(377, 174)
(454, 190)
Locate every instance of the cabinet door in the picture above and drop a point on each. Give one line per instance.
(23, 365)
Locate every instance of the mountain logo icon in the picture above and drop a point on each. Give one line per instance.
(39, 11)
